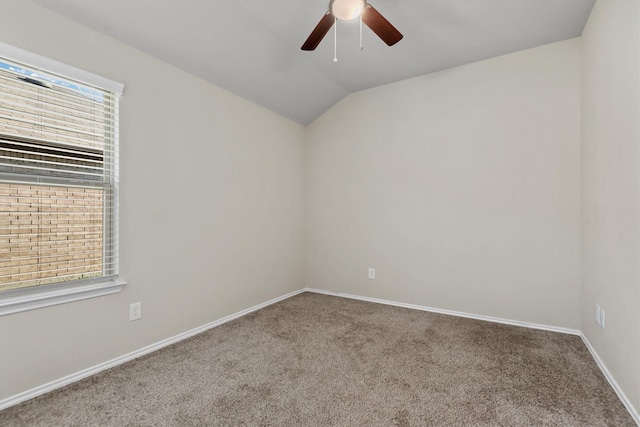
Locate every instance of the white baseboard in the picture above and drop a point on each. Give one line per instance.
(452, 313)
(614, 384)
(45, 388)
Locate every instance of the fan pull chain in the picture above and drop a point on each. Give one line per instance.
(335, 41)
(361, 45)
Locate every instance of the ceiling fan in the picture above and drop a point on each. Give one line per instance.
(348, 10)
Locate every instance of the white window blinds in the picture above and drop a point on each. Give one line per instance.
(58, 178)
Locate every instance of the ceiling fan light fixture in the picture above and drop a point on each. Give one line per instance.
(346, 10)
(349, 10)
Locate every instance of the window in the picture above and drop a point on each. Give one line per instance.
(58, 183)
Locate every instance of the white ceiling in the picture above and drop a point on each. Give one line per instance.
(252, 47)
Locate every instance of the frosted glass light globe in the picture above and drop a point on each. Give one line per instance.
(346, 10)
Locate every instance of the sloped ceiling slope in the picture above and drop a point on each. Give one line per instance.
(252, 47)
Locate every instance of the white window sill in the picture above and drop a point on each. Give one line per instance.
(33, 300)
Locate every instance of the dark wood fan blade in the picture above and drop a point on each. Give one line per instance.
(319, 32)
(380, 26)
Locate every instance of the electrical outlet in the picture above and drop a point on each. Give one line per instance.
(372, 273)
(597, 314)
(135, 311)
(602, 318)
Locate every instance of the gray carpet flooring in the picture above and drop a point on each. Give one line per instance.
(321, 360)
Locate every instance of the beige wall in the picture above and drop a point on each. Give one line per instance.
(610, 188)
(461, 188)
(211, 208)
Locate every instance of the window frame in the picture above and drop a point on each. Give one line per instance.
(22, 299)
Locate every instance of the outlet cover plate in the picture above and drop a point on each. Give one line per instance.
(135, 311)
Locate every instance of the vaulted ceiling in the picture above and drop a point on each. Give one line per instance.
(252, 47)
